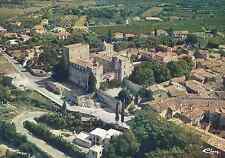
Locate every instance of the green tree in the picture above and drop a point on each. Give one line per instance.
(64, 108)
(92, 83)
(143, 74)
(161, 73)
(122, 113)
(122, 146)
(117, 112)
(125, 97)
(145, 94)
(109, 36)
(59, 72)
(191, 39)
(180, 68)
(155, 137)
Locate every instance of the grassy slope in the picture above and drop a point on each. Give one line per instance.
(5, 67)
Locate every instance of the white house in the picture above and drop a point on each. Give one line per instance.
(95, 152)
(102, 137)
(83, 140)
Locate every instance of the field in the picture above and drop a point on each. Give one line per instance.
(147, 27)
(67, 3)
(81, 21)
(10, 12)
(192, 25)
(5, 67)
(152, 11)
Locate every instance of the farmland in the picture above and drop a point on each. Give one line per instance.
(179, 15)
(152, 11)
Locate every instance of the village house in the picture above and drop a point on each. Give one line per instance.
(202, 54)
(2, 30)
(160, 33)
(121, 35)
(222, 47)
(62, 35)
(97, 136)
(180, 35)
(102, 137)
(202, 75)
(44, 22)
(176, 90)
(163, 57)
(150, 18)
(95, 151)
(158, 91)
(39, 29)
(95, 141)
(24, 37)
(12, 43)
(196, 88)
(118, 35)
(83, 140)
(179, 80)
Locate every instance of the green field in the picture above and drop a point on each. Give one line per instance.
(62, 3)
(6, 13)
(192, 25)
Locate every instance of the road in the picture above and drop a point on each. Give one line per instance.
(42, 145)
(101, 114)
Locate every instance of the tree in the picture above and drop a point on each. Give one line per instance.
(92, 83)
(161, 73)
(143, 74)
(140, 42)
(170, 32)
(124, 97)
(124, 146)
(180, 68)
(143, 93)
(94, 42)
(191, 39)
(117, 112)
(64, 107)
(150, 136)
(59, 72)
(109, 36)
(12, 138)
(122, 113)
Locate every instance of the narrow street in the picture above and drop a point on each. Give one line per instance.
(42, 145)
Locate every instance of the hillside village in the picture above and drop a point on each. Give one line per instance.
(82, 92)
